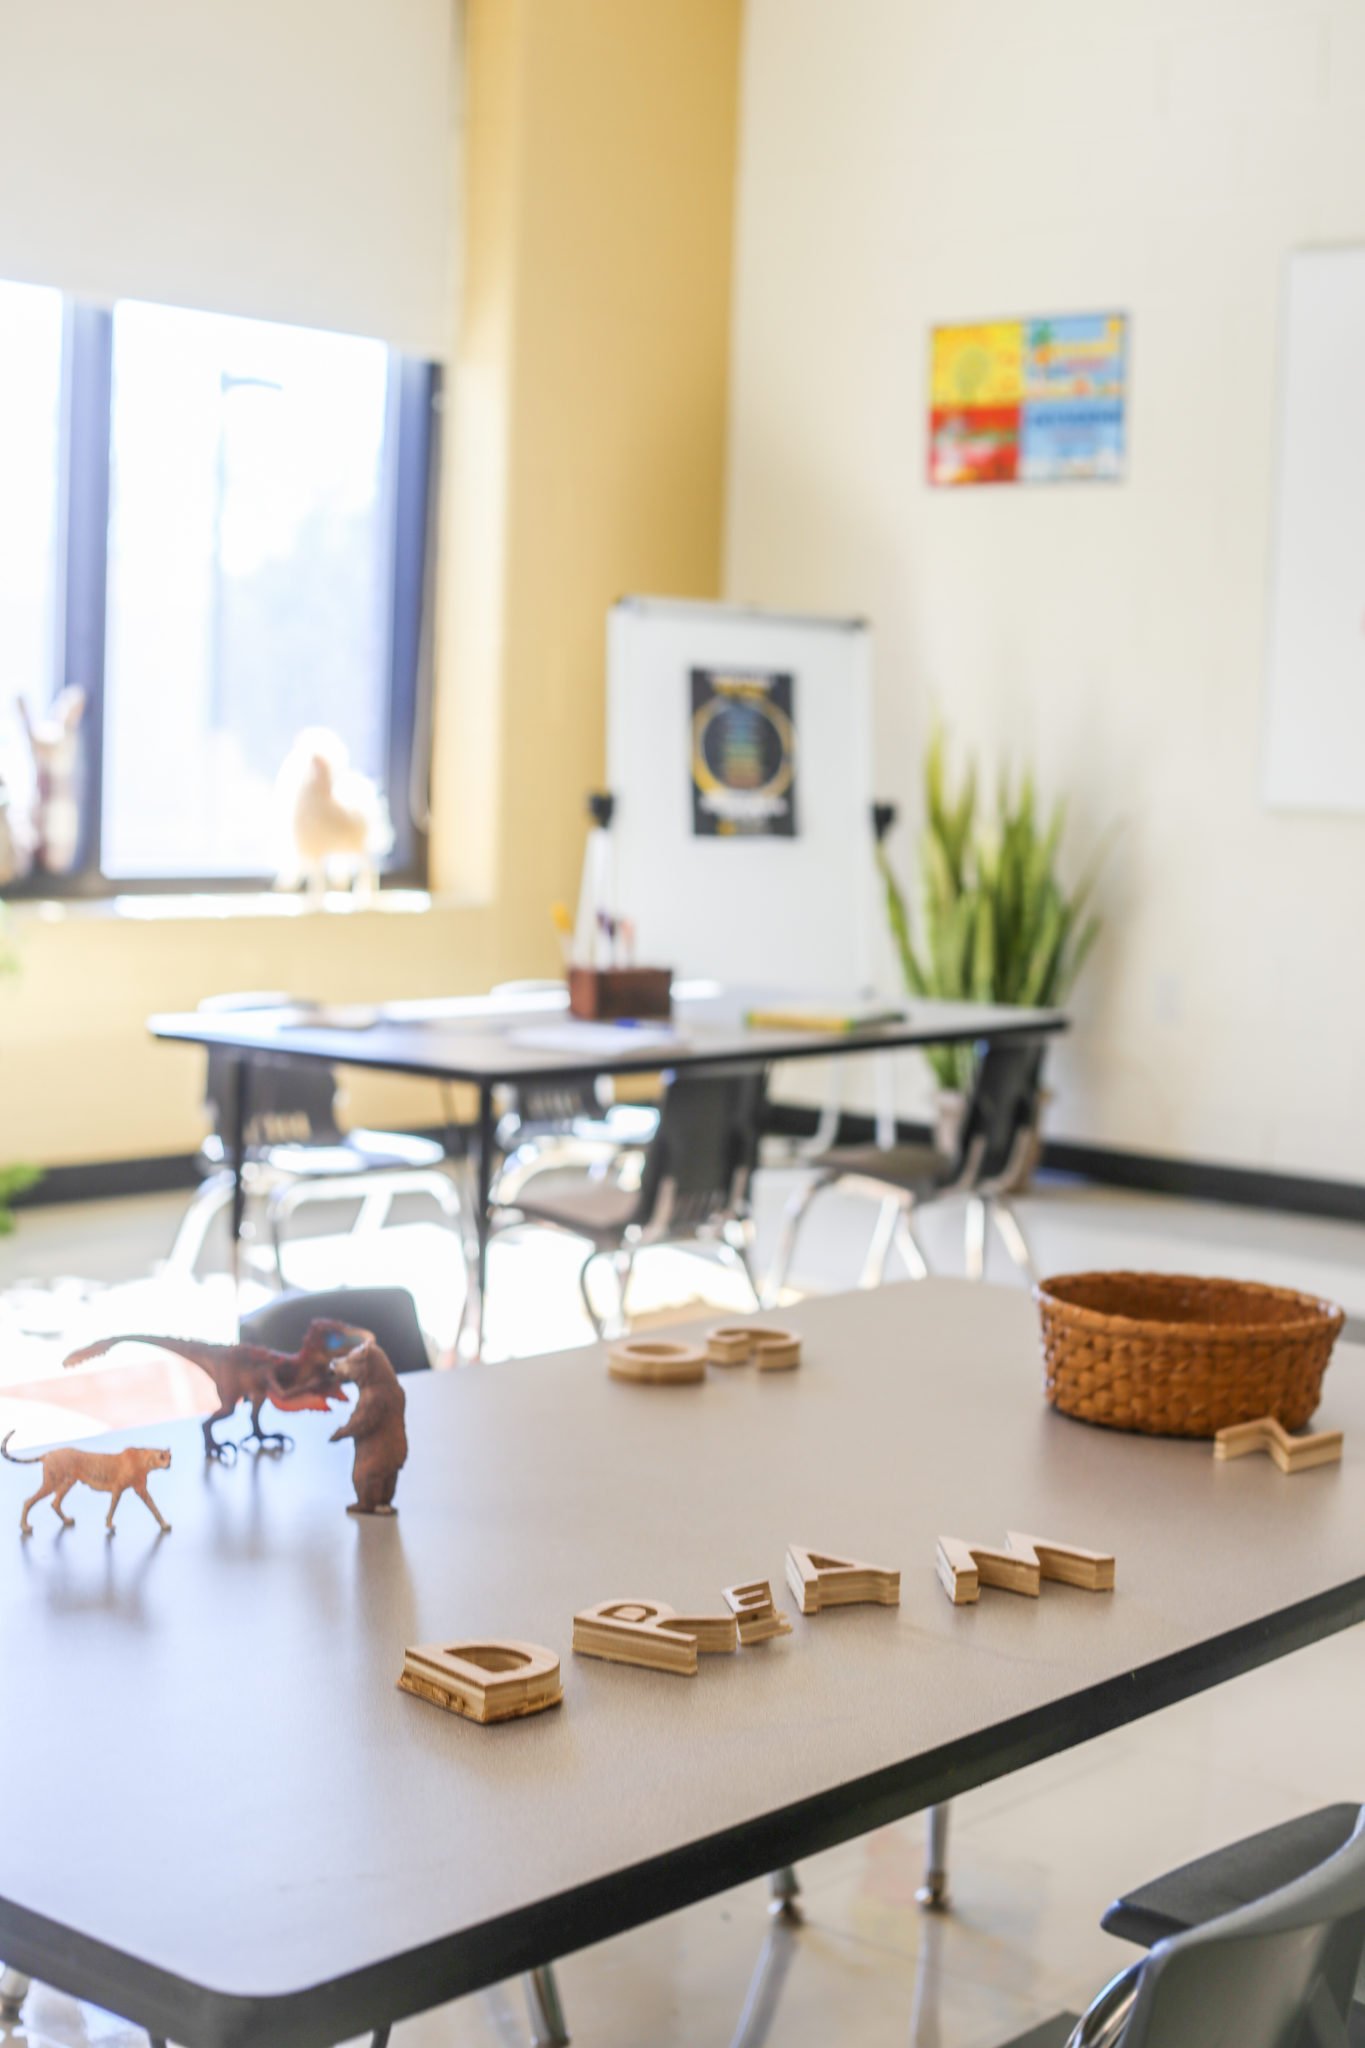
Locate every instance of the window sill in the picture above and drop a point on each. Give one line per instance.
(209, 906)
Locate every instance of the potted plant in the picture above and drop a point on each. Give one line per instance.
(13, 1179)
(996, 923)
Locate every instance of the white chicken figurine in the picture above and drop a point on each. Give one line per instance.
(336, 821)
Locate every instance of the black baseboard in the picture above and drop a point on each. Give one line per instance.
(1200, 1180)
(103, 1179)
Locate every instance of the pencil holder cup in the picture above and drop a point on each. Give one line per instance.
(603, 994)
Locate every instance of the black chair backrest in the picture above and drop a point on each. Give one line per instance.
(1002, 1107)
(388, 1313)
(1277, 1974)
(706, 1145)
(289, 1102)
(556, 1102)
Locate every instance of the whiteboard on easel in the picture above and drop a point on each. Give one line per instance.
(739, 753)
(1315, 701)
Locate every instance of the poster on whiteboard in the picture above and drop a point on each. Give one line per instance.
(743, 754)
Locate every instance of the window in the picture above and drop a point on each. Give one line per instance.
(217, 528)
(30, 437)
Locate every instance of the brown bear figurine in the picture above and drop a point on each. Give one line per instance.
(376, 1426)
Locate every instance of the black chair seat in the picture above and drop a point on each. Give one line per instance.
(596, 1209)
(1235, 1876)
(917, 1169)
(356, 1152)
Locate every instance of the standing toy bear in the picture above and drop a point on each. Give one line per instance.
(375, 1426)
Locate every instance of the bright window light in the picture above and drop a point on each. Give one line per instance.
(250, 578)
(30, 438)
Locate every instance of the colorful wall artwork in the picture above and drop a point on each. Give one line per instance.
(1029, 401)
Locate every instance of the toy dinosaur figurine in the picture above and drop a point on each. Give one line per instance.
(111, 1472)
(375, 1426)
(291, 1380)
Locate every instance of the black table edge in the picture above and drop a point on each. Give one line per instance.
(650, 1060)
(402, 1986)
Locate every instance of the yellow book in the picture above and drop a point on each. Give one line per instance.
(820, 1020)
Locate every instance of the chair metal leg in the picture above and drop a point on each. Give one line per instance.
(793, 1216)
(765, 1986)
(589, 1304)
(13, 1992)
(975, 1237)
(1105, 2019)
(910, 1248)
(623, 1264)
(1013, 1238)
(933, 1893)
(879, 1248)
(208, 1203)
(380, 2037)
(739, 1242)
(547, 2014)
(784, 1895)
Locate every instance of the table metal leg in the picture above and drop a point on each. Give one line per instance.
(472, 1321)
(933, 1893)
(238, 1094)
(547, 2014)
(784, 1893)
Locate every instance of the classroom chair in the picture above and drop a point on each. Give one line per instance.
(1277, 1971)
(296, 1152)
(689, 1184)
(388, 1313)
(998, 1134)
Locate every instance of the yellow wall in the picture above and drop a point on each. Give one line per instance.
(584, 458)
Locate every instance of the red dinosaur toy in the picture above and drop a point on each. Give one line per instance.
(249, 1372)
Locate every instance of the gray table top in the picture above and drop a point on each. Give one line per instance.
(484, 1040)
(223, 1819)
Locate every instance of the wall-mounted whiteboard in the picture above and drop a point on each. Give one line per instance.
(739, 751)
(1315, 709)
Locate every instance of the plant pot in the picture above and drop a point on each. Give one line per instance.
(950, 1106)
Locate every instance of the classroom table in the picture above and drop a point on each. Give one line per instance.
(497, 1041)
(223, 1820)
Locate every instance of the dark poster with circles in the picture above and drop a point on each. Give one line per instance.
(743, 754)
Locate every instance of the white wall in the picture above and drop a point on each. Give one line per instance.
(911, 161)
(287, 159)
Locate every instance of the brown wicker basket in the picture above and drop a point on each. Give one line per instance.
(1176, 1356)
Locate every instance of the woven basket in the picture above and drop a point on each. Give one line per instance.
(1175, 1356)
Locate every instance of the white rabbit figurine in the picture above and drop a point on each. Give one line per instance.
(337, 822)
(55, 828)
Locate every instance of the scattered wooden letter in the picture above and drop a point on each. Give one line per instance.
(484, 1680)
(820, 1580)
(964, 1568)
(658, 1361)
(636, 1632)
(770, 1348)
(1021, 1567)
(1291, 1453)
(1067, 1563)
(757, 1618)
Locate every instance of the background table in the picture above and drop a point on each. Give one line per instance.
(477, 1039)
(222, 1819)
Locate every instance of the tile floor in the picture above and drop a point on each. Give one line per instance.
(1035, 1856)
